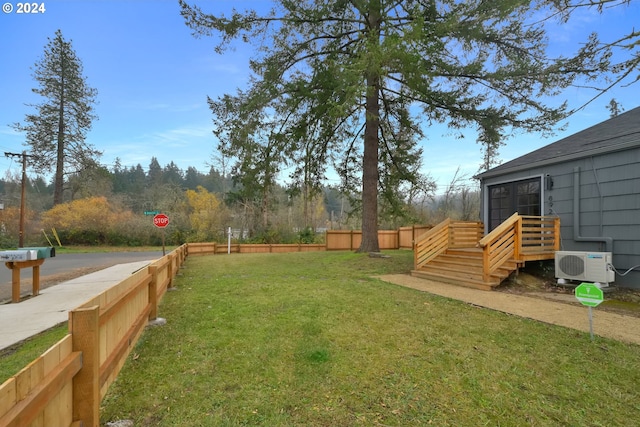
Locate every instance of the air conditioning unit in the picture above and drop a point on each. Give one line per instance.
(587, 266)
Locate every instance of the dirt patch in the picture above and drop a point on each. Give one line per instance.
(527, 299)
(617, 300)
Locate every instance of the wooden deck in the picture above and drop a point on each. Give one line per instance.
(457, 252)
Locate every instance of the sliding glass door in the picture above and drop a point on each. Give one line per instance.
(505, 199)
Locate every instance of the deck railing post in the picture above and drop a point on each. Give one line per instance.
(517, 247)
(486, 265)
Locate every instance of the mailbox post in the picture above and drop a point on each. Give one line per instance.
(16, 260)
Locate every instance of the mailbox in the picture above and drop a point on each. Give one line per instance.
(43, 251)
(19, 255)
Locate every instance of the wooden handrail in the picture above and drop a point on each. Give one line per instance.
(500, 245)
(431, 244)
(517, 236)
(506, 224)
(446, 235)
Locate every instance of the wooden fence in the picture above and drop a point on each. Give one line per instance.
(235, 248)
(65, 385)
(336, 240)
(403, 237)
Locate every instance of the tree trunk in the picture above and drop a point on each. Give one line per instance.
(59, 175)
(265, 209)
(369, 241)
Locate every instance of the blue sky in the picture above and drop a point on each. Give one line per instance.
(153, 78)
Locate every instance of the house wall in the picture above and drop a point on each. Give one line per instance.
(609, 205)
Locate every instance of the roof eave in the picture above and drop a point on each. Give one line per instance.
(559, 159)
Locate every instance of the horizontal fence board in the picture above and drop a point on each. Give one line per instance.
(335, 240)
(35, 394)
(110, 368)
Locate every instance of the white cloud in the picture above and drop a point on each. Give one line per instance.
(186, 146)
(164, 106)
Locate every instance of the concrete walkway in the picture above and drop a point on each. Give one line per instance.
(562, 313)
(34, 315)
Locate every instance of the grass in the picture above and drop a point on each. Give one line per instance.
(311, 339)
(19, 355)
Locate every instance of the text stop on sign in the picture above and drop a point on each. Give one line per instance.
(161, 220)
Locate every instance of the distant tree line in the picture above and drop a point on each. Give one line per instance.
(107, 206)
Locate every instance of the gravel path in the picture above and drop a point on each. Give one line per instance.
(560, 312)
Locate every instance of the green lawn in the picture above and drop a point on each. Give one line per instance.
(311, 339)
(19, 355)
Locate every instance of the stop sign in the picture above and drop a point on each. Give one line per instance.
(161, 220)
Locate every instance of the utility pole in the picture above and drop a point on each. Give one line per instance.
(24, 156)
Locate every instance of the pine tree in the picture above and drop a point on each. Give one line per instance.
(342, 72)
(57, 130)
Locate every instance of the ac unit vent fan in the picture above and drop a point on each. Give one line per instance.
(571, 265)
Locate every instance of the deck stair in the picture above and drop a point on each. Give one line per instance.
(464, 267)
(458, 253)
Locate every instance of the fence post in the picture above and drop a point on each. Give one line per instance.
(153, 292)
(170, 271)
(84, 327)
(413, 236)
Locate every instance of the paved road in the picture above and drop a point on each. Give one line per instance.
(65, 265)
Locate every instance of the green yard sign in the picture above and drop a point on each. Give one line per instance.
(589, 294)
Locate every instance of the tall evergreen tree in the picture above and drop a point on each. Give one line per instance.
(359, 66)
(154, 176)
(172, 174)
(193, 178)
(56, 132)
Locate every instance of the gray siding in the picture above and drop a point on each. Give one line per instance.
(609, 204)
